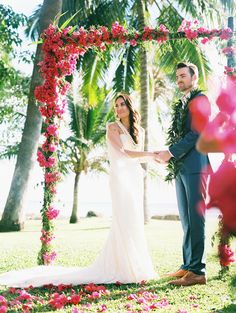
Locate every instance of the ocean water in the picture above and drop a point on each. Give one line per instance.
(104, 209)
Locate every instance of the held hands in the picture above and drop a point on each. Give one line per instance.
(162, 156)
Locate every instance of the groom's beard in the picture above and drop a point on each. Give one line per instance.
(183, 87)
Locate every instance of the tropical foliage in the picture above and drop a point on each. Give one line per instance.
(82, 151)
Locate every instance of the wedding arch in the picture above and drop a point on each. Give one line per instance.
(62, 48)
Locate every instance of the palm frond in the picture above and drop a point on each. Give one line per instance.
(175, 51)
(124, 79)
(32, 29)
(9, 151)
(75, 113)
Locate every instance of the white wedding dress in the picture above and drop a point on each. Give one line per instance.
(124, 257)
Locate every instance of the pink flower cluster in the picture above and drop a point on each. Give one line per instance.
(83, 299)
(49, 147)
(46, 237)
(229, 51)
(160, 35)
(58, 301)
(192, 31)
(230, 71)
(147, 300)
(96, 292)
(3, 305)
(52, 177)
(24, 301)
(226, 255)
(52, 213)
(222, 192)
(44, 161)
(222, 128)
(49, 258)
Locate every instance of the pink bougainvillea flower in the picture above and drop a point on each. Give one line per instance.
(160, 304)
(52, 177)
(132, 296)
(226, 33)
(128, 306)
(95, 295)
(57, 300)
(52, 213)
(102, 308)
(226, 101)
(229, 51)
(49, 257)
(205, 40)
(118, 283)
(222, 183)
(3, 309)
(200, 110)
(133, 42)
(193, 297)
(226, 255)
(51, 162)
(24, 295)
(195, 305)
(62, 287)
(75, 299)
(3, 301)
(141, 300)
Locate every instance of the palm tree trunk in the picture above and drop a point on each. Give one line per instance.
(74, 215)
(144, 98)
(12, 218)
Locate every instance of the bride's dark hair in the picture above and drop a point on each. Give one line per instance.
(134, 116)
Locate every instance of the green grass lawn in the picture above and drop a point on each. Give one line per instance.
(78, 245)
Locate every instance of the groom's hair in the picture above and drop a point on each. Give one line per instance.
(192, 68)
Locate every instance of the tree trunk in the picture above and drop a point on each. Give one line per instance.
(144, 98)
(74, 215)
(12, 218)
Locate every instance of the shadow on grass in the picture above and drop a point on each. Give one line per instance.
(229, 309)
(233, 282)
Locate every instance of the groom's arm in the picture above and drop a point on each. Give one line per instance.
(183, 146)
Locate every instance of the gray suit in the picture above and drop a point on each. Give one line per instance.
(191, 183)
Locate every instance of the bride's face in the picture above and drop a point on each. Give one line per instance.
(121, 109)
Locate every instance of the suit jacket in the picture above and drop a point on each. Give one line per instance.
(184, 150)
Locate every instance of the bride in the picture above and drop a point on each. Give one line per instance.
(124, 257)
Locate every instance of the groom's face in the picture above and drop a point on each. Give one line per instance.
(184, 79)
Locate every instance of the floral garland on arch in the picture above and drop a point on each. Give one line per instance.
(61, 48)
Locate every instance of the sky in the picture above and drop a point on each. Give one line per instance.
(161, 195)
(25, 6)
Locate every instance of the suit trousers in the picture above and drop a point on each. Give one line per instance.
(190, 191)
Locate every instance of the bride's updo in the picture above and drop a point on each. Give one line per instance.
(134, 117)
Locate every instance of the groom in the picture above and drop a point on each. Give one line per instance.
(190, 175)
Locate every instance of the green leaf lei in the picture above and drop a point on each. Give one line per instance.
(177, 131)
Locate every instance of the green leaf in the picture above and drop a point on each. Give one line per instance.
(67, 21)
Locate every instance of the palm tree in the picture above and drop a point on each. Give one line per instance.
(12, 215)
(88, 128)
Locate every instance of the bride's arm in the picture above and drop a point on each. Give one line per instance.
(113, 135)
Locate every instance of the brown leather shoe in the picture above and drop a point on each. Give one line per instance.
(189, 279)
(179, 273)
